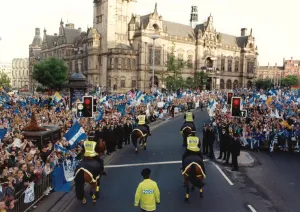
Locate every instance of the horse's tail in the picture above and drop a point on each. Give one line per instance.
(79, 185)
(193, 177)
(134, 137)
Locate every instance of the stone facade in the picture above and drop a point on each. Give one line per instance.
(6, 68)
(291, 67)
(274, 73)
(20, 73)
(117, 52)
(34, 56)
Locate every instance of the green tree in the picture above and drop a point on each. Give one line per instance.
(174, 71)
(200, 79)
(290, 80)
(51, 73)
(4, 80)
(263, 84)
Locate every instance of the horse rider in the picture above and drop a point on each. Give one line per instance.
(193, 152)
(189, 120)
(89, 151)
(142, 119)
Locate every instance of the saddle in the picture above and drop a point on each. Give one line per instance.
(143, 129)
(190, 160)
(187, 124)
(90, 166)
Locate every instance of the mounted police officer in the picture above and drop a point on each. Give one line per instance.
(193, 152)
(89, 151)
(142, 123)
(189, 120)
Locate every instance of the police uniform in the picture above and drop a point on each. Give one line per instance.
(89, 151)
(142, 122)
(193, 149)
(189, 118)
(147, 193)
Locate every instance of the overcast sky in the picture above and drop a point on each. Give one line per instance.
(275, 23)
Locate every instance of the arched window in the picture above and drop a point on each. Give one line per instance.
(222, 84)
(133, 64)
(228, 84)
(123, 63)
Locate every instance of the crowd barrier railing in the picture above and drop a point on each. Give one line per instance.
(40, 187)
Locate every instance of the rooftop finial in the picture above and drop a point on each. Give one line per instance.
(61, 22)
(155, 9)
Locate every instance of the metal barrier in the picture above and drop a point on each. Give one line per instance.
(40, 187)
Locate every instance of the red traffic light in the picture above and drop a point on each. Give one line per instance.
(87, 101)
(236, 102)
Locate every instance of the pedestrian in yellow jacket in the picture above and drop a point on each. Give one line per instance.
(147, 193)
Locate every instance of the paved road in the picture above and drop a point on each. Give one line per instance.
(165, 144)
(276, 176)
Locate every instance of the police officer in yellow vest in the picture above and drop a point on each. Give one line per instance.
(89, 151)
(193, 149)
(142, 119)
(189, 118)
(147, 193)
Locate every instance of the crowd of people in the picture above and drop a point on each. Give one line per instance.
(22, 162)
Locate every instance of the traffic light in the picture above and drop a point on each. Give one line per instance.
(88, 106)
(95, 105)
(79, 109)
(236, 106)
(229, 96)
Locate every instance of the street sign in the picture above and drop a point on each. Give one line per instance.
(243, 113)
(79, 109)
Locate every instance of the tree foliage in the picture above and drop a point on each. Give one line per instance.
(51, 73)
(200, 79)
(174, 71)
(263, 84)
(290, 80)
(4, 80)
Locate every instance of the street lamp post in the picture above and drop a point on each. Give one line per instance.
(153, 37)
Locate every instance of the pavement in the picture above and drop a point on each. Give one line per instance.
(245, 159)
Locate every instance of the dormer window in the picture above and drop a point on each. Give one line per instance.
(156, 27)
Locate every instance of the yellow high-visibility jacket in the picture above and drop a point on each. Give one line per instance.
(147, 194)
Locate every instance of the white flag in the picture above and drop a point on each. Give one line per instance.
(69, 168)
(29, 193)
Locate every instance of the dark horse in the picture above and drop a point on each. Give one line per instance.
(193, 174)
(186, 131)
(85, 174)
(138, 136)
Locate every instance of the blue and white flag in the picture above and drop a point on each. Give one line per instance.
(75, 134)
(69, 167)
(61, 149)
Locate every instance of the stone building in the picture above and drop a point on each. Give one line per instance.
(117, 52)
(274, 73)
(20, 73)
(291, 67)
(6, 68)
(34, 55)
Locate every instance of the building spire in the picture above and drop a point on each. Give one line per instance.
(155, 9)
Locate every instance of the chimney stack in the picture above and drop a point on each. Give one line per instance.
(244, 32)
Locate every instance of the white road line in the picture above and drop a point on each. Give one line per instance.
(224, 175)
(146, 164)
(251, 208)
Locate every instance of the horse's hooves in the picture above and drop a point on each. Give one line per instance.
(201, 195)
(94, 202)
(136, 152)
(186, 200)
(145, 148)
(84, 201)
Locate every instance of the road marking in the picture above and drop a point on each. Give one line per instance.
(251, 208)
(224, 175)
(146, 164)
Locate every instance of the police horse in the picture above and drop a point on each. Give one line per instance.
(88, 172)
(193, 175)
(138, 137)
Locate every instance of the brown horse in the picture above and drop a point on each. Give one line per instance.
(138, 136)
(186, 131)
(193, 174)
(83, 176)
